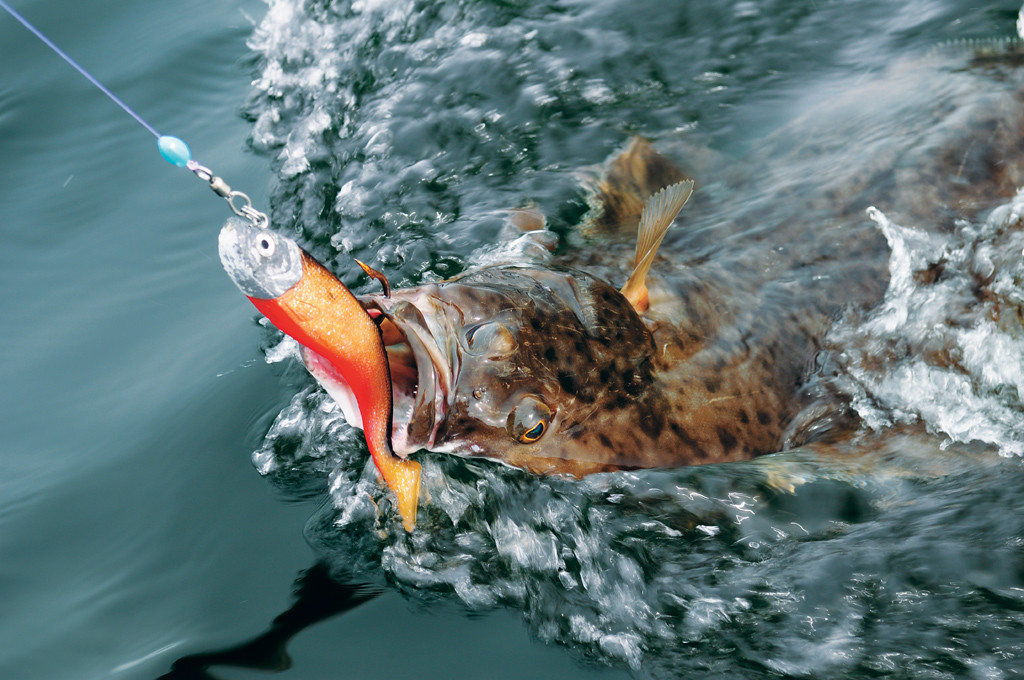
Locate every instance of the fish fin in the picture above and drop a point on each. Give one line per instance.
(658, 214)
(981, 52)
(526, 219)
(525, 231)
(628, 181)
(374, 274)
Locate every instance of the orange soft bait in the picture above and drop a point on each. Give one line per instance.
(322, 314)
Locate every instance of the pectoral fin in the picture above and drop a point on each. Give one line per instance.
(658, 214)
(526, 219)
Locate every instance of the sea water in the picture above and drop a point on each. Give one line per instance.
(170, 497)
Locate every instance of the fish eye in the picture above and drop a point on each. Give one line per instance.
(529, 420)
(491, 338)
(533, 434)
(266, 244)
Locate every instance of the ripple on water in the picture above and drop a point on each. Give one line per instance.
(794, 563)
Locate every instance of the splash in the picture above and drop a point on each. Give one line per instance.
(946, 346)
(393, 142)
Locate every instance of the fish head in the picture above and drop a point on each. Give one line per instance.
(528, 366)
(263, 265)
(539, 368)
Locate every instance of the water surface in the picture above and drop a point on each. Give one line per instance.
(168, 493)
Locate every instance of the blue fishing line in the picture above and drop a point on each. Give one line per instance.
(171, 148)
(88, 76)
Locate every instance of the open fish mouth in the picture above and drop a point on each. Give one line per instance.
(423, 359)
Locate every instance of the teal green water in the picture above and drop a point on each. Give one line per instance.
(135, 530)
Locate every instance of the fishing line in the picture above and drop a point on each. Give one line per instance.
(173, 149)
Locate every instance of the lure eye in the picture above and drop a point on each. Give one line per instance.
(266, 244)
(529, 420)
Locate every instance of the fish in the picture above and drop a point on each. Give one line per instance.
(558, 370)
(611, 356)
(341, 343)
(552, 368)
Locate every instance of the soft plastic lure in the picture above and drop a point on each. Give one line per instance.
(314, 307)
(310, 304)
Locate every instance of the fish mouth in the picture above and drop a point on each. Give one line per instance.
(423, 359)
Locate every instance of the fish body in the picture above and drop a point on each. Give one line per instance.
(610, 356)
(705, 375)
(723, 360)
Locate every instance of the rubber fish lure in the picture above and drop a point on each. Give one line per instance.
(340, 340)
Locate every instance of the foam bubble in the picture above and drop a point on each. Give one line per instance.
(945, 347)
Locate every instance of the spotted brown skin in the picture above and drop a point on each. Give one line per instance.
(709, 380)
(721, 367)
(550, 368)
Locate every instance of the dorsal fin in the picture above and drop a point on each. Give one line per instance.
(658, 214)
(981, 51)
(629, 180)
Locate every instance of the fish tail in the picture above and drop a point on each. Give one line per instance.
(403, 477)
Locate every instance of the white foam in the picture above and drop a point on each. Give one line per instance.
(945, 352)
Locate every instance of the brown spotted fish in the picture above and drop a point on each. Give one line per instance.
(613, 356)
(557, 369)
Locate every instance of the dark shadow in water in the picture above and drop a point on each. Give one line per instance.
(317, 597)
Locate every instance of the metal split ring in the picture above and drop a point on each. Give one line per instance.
(257, 218)
(221, 188)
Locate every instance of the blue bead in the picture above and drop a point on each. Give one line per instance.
(174, 150)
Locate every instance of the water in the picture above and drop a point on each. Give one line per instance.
(135, 531)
